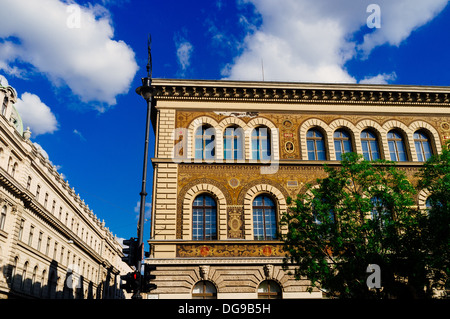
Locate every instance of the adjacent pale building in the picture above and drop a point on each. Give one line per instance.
(52, 245)
(229, 153)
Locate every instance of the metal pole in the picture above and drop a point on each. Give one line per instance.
(146, 91)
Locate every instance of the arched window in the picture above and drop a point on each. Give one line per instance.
(342, 143)
(205, 142)
(316, 145)
(423, 146)
(269, 289)
(369, 143)
(204, 218)
(204, 290)
(261, 148)
(264, 218)
(233, 143)
(396, 146)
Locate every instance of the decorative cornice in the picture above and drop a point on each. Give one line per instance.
(280, 92)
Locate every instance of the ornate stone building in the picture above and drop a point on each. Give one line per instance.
(228, 154)
(51, 244)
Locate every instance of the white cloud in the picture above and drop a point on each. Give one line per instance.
(379, 79)
(71, 45)
(78, 133)
(399, 19)
(184, 52)
(36, 114)
(311, 40)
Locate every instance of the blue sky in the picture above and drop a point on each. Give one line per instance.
(76, 64)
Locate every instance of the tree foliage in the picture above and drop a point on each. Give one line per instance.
(435, 178)
(365, 213)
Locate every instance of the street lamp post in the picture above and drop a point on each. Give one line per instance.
(146, 92)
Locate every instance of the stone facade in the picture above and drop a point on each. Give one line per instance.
(236, 262)
(52, 245)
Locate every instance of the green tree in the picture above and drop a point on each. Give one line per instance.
(363, 213)
(435, 177)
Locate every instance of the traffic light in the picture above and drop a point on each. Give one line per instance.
(147, 286)
(131, 282)
(126, 282)
(132, 252)
(135, 280)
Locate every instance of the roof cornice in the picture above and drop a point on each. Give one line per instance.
(293, 92)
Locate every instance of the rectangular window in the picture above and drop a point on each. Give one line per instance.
(39, 241)
(30, 236)
(38, 190)
(3, 218)
(47, 248)
(55, 250)
(22, 223)
(29, 183)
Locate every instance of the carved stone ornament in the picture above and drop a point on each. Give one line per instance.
(204, 271)
(268, 271)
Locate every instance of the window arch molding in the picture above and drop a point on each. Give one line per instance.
(269, 289)
(375, 128)
(221, 209)
(274, 138)
(432, 134)
(192, 128)
(325, 130)
(407, 134)
(251, 194)
(230, 122)
(204, 289)
(422, 197)
(347, 127)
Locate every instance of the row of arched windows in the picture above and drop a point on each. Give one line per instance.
(261, 144)
(267, 289)
(233, 143)
(370, 145)
(264, 214)
(204, 218)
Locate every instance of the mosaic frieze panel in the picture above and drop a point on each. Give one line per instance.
(232, 250)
